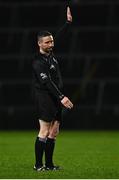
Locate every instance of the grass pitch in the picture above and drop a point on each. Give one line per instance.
(81, 154)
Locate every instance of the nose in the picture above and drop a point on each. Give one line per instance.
(51, 44)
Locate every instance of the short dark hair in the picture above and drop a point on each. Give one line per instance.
(43, 34)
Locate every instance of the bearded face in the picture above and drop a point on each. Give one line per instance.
(46, 44)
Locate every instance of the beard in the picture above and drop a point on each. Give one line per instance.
(49, 50)
(46, 50)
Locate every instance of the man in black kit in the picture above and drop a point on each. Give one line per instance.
(49, 99)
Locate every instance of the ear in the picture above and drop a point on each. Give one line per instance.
(39, 43)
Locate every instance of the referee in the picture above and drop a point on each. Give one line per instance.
(48, 96)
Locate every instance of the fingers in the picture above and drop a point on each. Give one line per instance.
(69, 16)
(68, 12)
(67, 103)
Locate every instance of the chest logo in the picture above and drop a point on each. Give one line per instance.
(52, 66)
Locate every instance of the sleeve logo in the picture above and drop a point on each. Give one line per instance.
(43, 76)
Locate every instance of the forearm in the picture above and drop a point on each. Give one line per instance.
(54, 90)
(62, 31)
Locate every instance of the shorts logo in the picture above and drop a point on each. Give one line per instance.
(43, 75)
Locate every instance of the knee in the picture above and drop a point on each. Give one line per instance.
(53, 133)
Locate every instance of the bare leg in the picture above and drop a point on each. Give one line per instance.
(54, 129)
(44, 129)
(50, 144)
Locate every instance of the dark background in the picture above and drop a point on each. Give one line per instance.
(89, 61)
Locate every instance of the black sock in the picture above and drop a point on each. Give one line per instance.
(39, 149)
(49, 149)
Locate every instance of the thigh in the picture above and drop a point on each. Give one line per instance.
(44, 125)
(54, 129)
(44, 129)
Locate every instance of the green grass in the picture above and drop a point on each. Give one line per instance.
(82, 154)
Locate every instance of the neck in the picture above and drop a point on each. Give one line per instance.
(45, 53)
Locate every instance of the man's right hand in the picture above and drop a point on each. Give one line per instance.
(67, 103)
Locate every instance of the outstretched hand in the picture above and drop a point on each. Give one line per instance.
(69, 15)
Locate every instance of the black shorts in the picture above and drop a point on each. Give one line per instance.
(48, 108)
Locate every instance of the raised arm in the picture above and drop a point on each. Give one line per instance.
(69, 15)
(63, 30)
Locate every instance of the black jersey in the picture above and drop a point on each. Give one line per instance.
(46, 75)
(46, 72)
